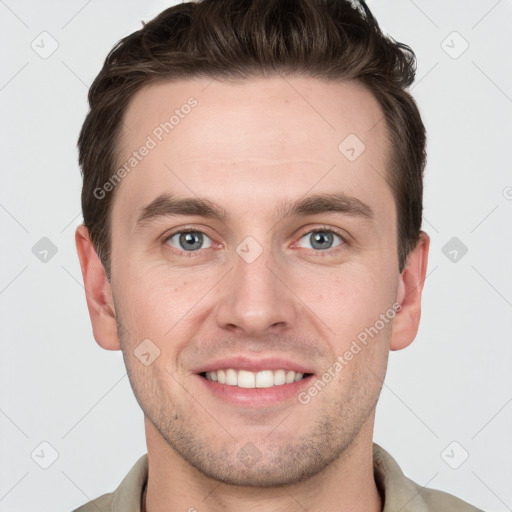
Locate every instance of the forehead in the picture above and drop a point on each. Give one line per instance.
(252, 142)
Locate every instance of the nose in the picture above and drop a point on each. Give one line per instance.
(256, 298)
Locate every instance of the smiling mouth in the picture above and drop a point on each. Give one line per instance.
(247, 379)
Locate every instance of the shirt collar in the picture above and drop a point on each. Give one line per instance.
(398, 491)
(128, 496)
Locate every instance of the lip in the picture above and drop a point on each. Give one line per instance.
(256, 397)
(254, 365)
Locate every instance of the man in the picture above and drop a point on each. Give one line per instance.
(252, 207)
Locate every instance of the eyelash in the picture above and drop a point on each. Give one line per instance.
(321, 254)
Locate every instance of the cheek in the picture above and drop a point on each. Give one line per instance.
(351, 299)
(350, 304)
(156, 302)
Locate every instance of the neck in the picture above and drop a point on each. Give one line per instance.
(346, 484)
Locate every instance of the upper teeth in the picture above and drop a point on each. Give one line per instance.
(263, 379)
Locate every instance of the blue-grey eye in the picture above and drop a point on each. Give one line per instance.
(321, 239)
(189, 240)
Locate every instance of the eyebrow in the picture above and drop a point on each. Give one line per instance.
(167, 205)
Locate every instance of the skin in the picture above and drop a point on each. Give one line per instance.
(248, 146)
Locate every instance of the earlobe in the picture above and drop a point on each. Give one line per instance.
(98, 292)
(410, 287)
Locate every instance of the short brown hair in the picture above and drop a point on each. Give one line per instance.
(325, 39)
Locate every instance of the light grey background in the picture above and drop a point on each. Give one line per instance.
(451, 385)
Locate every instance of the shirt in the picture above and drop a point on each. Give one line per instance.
(399, 493)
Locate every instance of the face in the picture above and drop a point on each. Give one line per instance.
(230, 256)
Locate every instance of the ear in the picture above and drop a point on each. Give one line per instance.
(98, 292)
(410, 286)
